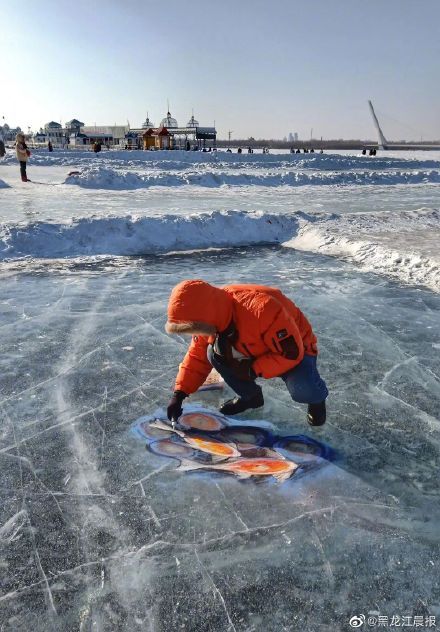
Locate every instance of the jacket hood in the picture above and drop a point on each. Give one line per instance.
(197, 301)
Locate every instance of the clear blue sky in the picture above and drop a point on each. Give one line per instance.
(258, 67)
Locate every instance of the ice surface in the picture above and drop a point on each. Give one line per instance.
(97, 533)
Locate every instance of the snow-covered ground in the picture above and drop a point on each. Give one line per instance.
(97, 533)
(381, 212)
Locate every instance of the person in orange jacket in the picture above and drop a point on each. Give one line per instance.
(245, 332)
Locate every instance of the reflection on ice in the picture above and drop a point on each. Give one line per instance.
(97, 533)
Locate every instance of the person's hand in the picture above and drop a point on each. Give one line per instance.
(243, 369)
(174, 409)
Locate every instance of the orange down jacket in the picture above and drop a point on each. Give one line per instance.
(271, 328)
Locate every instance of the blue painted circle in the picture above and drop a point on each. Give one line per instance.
(171, 448)
(305, 445)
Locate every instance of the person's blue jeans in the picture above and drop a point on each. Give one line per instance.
(304, 383)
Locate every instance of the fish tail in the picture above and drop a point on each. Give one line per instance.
(219, 459)
(274, 453)
(284, 476)
(186, 465)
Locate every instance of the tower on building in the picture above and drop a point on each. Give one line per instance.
(147, 124)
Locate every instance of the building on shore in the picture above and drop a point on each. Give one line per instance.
(147, 123)
(110, 135)
(76, 134)
(160, 138)
(78, 139)
(54, 133)
(179, 138)
(192, 122)
(170, 136)
(39, 137)
(58, 135)
(73, 127)
(168, 121)
(9, 133)
(167, 136)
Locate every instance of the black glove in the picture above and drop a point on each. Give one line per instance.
(174, 409)
(243, 369)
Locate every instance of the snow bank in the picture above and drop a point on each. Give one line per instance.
(104, 178)
(144, 235)
(403, 246)
(3, 185)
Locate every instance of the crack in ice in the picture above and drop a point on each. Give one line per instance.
(216, 590)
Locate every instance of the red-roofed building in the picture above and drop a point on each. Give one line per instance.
(157, 138)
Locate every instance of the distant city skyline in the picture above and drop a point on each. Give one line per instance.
(255, 68)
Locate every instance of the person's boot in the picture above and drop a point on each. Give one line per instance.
(316, 414)
(24, 177)
(239, 405)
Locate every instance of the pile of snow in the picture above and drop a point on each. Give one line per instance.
(132, 235)
(102, 178)
(97, 177)
(3, 185)
(403, 246)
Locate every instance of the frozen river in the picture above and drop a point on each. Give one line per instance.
(96, 533)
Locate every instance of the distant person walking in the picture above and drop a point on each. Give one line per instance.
(97, 147)
(49, 146)
(2, 144)
(22, 153)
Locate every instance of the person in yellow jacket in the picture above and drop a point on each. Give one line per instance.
(22, 152)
